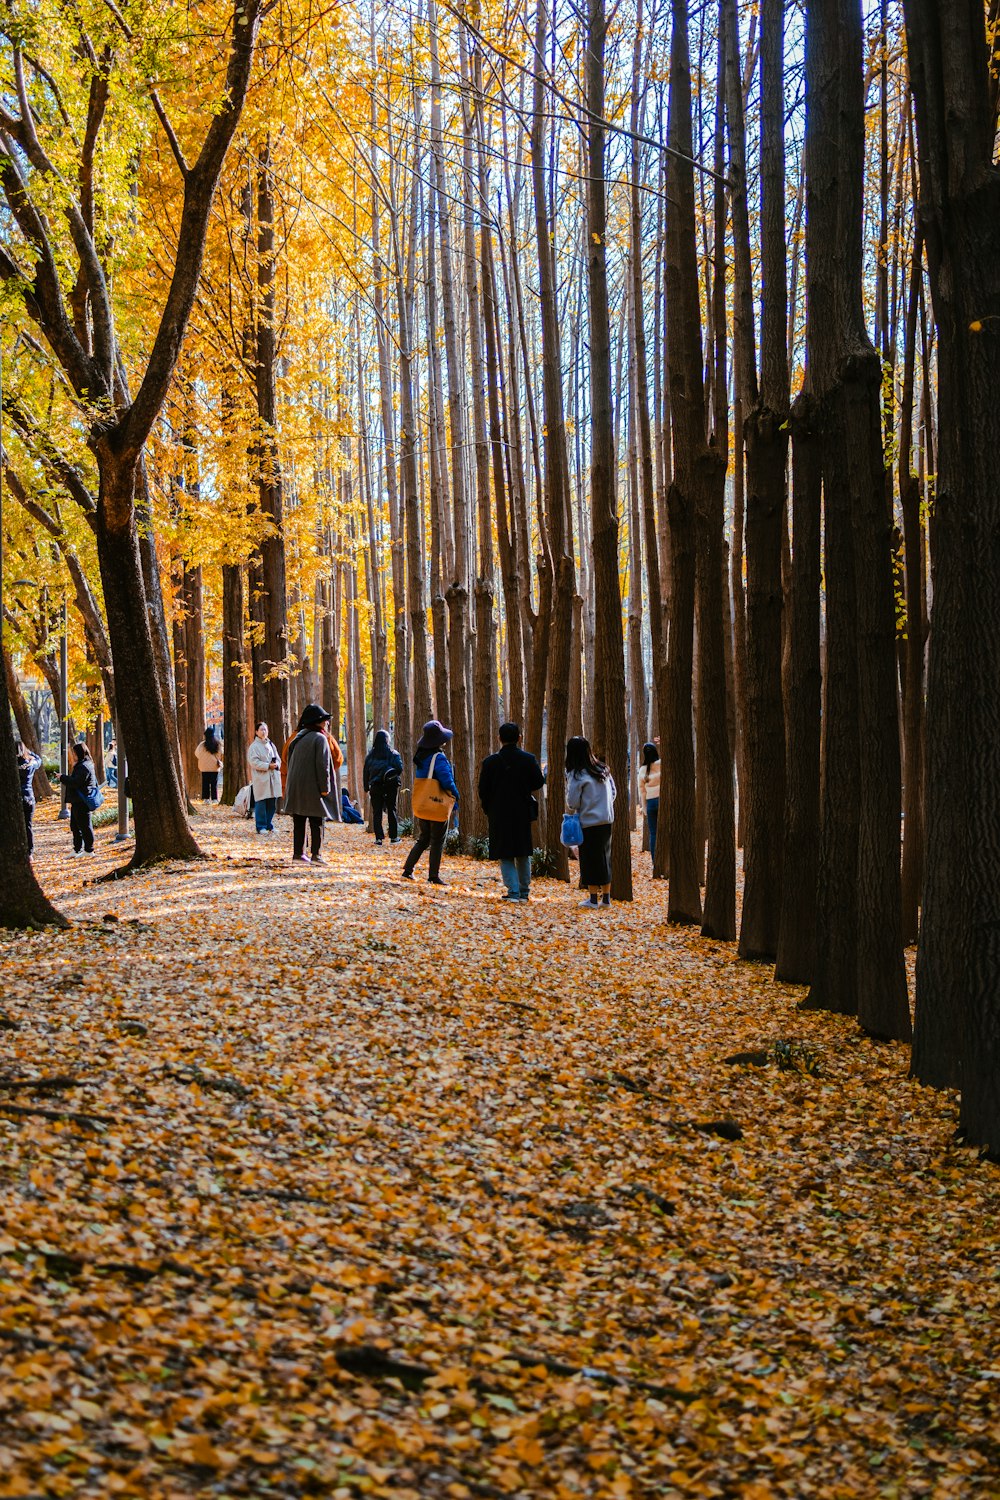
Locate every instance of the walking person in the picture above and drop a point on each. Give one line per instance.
(209, 758)
(27, 764)
(383, 772)
(331, 802)
(81, 794)
(265, 778)
(437, 799)
(508, 781)
(590, 793)
(649, 791)
(309, 779)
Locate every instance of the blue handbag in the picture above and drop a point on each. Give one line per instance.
(572, 831)
(93, 800)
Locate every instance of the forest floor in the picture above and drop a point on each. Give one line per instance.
(318, 1183)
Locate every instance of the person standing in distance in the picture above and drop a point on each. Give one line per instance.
(508, 781)
(310, 775)
(430, 753)
(81, 784)
(383, 771)
(265, 778)
(590, 793)
(649, 791)
(27, 764)
(209, 758)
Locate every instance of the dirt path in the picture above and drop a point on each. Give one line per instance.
(341, 1186)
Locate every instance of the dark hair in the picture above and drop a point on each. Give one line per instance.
(211, 743)
(580, 758)
(510, 733)
(80, 751)
(258, 724)
(650, 754)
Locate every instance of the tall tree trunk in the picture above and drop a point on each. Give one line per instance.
(957, 1036)
(25, 728)
(234, 698)
(23, 903)
(797, 933)
(558, 522)
(916, 634)
(268, 591)
(161, 828)
(687, 410)
(611, 729)
(859, 960)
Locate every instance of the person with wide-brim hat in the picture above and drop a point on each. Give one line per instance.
(309, 778)
(428, 758)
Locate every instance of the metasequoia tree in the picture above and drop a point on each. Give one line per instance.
(610, 727)
(957, 1029)
(859, 958)
(80, 330)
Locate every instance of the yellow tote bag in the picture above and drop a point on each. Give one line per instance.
(430, 803)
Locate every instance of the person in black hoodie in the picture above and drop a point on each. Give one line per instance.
(27, 764)
(508, 781)
(80, 784)
(382, 774)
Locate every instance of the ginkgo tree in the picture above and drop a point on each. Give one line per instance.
(69, 145)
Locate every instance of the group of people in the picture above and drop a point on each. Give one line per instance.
(508, 781)
(302, 775)
(83, 794)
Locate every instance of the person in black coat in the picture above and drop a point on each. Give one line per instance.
(383, 772)
(80, 784)
(27, 764)
(508, 781)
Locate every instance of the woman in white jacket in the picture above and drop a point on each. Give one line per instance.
(590, 793)
(649, 791)
(265, 778)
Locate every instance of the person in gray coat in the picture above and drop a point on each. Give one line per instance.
(310, 776)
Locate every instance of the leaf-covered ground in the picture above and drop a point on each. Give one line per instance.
(318, 1183)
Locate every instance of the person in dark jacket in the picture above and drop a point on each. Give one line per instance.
(349, 811)
(80, 784)
(27, 764)
(431, 835)
(310, 775)
(382, 774)
(508, 781)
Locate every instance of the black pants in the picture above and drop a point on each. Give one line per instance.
(209, 786)
(431, 836)
(29, 813)
(383, 795)
(80, 825)
(595, 855)
(299, 821)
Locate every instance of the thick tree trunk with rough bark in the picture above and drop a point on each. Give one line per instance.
(797, 932)
(611, 729)
(158, 803)
(957, 1035)
(23, 903)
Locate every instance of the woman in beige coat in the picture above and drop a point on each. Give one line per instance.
(209, 758)
(265, 778)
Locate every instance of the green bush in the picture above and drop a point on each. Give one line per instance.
(107, 815)
(51, 769)
(480, 848)
(405, 827)
(543, 864)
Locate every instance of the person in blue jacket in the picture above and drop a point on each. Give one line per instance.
(348, 812)
(27, 764)
(431, 835)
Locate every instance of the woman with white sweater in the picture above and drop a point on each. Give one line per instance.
(590, 793)
(649, 791)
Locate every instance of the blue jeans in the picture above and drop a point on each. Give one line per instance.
(652, 813)
(263, 812)
(516, 874)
